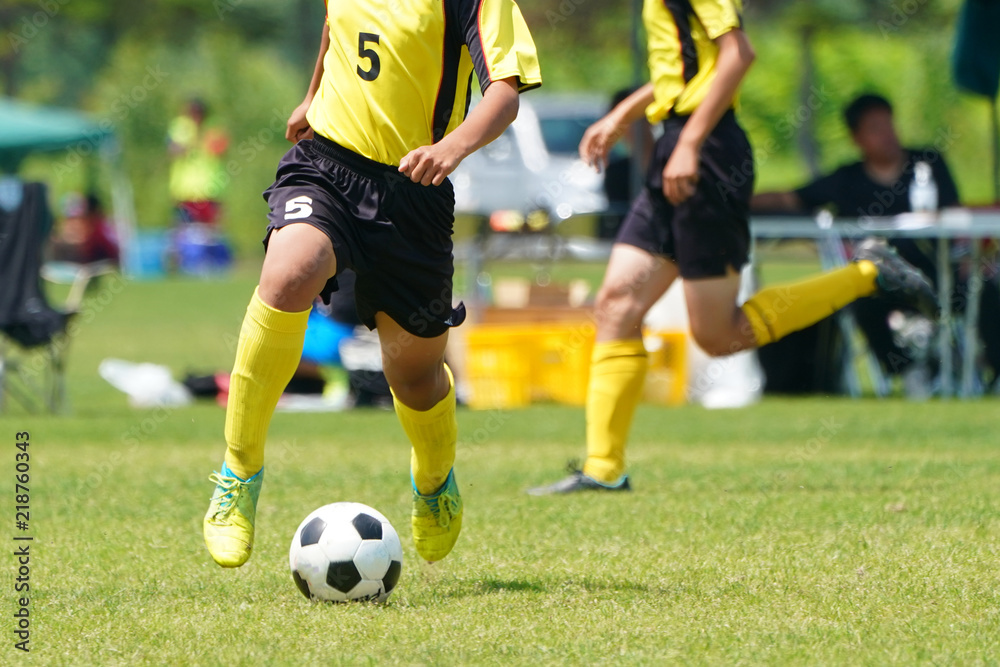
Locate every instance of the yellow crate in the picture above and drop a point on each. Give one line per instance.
(510, 365)
(561, 366)
(666, 381)
(498, 363)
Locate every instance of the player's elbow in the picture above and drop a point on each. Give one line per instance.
(738, 44)
(512, 106)
(746, 53)
(510, 100)
(746, 48)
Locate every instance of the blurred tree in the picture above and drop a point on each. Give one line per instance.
(15, 17)
(809, 21)
(71, 41)
(133, 64)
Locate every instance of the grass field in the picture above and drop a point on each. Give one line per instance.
(813, 531)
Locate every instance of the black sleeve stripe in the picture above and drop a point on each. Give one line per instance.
(682, 13)
(468, 15)
(468, 97)
(444, 105)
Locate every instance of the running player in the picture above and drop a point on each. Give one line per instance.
(382, 126)
(691, 221)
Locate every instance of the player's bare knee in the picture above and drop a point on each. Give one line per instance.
(618, 308)
(289, 290)
(419, 390)
(713, 342)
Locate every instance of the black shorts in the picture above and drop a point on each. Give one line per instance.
(710, 232)
(393, 233)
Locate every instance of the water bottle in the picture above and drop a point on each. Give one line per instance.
(923, 189)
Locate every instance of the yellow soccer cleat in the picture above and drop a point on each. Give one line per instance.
(437, 520)
(230, 519)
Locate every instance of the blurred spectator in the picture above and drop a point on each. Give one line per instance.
(622, 164)
(84, 235)
(879, 185)
(197, 176)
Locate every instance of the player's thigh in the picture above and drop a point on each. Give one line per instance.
(414, 366)
(299, 261)
(635, 279)
(717, 324)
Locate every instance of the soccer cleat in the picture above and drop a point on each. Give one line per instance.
(437, 520)
(578, 481)
(897, 279)
(231, 515)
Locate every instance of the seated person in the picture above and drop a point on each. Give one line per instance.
(878, 185)
(84, 235)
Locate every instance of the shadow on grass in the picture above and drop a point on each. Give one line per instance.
(494, 586)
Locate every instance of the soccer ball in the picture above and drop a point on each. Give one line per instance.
(346, 551)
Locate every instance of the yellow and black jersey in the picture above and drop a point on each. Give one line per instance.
(682, 50)
(398, 73)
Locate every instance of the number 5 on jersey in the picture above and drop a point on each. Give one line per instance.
(363, 52)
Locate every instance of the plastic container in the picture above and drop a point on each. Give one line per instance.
(666, 381)
(498, 363)
(146, 254)
(561, 368)
(201, 250)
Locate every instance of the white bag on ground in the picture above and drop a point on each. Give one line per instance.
(147, 385)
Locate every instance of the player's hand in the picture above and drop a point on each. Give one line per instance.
(430, 164)
(598, 141)
(680, 176)
(298, 127)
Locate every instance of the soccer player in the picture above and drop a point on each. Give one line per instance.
(366, 188)
(691, 221)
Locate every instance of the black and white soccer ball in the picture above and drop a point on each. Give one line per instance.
(346, 551)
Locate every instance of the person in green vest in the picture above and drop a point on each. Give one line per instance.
(197, 174)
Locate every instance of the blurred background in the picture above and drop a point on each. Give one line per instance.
(188, 100)
(135, 65)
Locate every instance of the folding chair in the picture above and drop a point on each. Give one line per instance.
(33, 340)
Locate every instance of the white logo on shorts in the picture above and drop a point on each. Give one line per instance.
(298, 208)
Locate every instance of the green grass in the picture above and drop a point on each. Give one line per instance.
(813, 531)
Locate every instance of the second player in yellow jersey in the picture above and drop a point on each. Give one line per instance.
(691, 221)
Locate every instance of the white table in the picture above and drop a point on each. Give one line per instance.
(943, 226)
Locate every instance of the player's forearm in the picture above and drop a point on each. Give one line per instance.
(633, 107)
(735, 57)
(488, 120)
(317, 76)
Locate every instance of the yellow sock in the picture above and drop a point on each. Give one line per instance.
(269, 351)
(617, 375)
(775, 312)
(433, 434)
